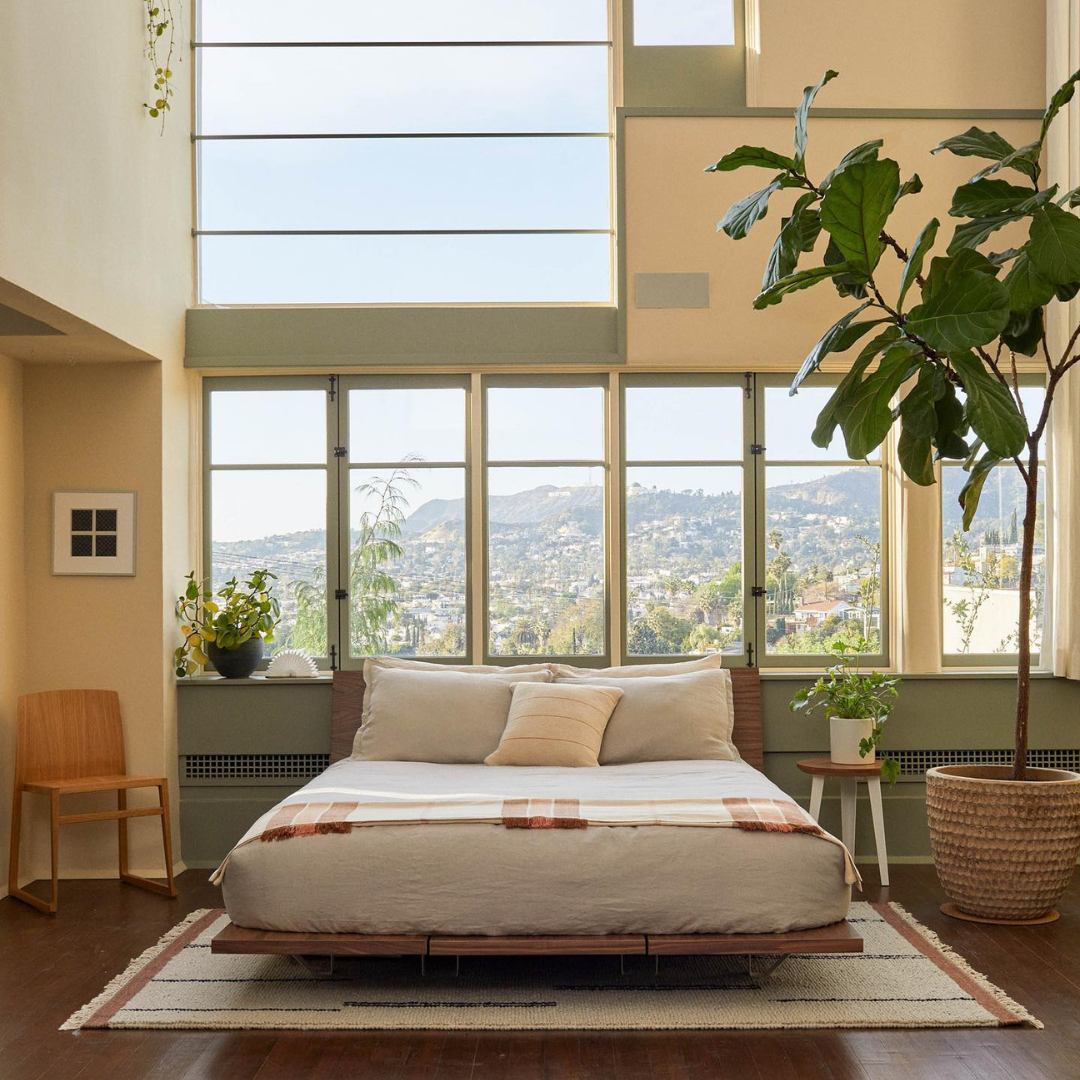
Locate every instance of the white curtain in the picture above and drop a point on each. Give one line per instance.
(1063, 166)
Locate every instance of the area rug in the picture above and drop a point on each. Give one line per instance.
(906, 978)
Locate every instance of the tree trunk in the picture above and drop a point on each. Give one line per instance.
(1023, 623)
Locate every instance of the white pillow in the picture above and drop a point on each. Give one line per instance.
(639, 671)
(446, 717)
(672, 718)
(377, 664)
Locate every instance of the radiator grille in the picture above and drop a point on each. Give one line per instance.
(914, 763)
(254, 766)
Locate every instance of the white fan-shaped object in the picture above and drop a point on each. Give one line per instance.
(291, 664)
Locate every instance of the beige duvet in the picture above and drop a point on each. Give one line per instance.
(487, 879)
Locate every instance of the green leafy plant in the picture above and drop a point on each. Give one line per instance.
(846, 691)
(161, 30)
(957, 324)
(241, 610)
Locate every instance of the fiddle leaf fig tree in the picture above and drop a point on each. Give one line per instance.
(948, 333)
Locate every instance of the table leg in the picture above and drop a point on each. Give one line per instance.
(817, 786)
(877, 812)
(848, 791)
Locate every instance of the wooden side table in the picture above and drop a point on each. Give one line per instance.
(849, 776)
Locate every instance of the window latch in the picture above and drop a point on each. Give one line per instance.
(757, 590)
(341, 594)
(757, 448)
(341, 451)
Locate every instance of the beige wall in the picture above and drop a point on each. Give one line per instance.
(97, 205)
(918, 54)
(672, 208)
(12, 592)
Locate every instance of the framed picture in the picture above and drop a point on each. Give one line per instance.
(94, 532)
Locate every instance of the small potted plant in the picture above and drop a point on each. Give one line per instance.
(856, 704)
(228, 631)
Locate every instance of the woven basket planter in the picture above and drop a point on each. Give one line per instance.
(1004, 850)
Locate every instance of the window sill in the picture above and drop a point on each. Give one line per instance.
(323, 679)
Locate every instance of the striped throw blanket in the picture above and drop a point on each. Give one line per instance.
(750, 814)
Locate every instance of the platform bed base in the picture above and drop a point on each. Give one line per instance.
(838, 937)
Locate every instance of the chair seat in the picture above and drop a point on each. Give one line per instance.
(74, 784)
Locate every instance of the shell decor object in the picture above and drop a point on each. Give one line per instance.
(291, 664)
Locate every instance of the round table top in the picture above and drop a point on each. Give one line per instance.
(823, 766)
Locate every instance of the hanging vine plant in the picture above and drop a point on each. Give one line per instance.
(161, 29)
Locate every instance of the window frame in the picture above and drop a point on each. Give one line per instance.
(199, 46)
(882, 658)
(1002, 661)
(235, 383)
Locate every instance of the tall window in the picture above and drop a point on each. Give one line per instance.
(546, 484)
(423, 152)
(980, 567)
(822, 534)
(266, 481)
(684, 451)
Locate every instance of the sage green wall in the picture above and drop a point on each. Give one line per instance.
(943, 712)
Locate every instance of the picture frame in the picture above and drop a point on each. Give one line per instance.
(94, 533)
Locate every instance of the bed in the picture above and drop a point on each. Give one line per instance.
(463, 886)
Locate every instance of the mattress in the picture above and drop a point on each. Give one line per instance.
(457, 878)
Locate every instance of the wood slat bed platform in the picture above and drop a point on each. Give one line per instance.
(348, 698)
(838, 938)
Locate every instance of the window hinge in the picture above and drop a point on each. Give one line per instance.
(341, 594)
(749, 655)
(757, 590)
(333, 658)
(341, 451)
(749, 377)
(333, 387)
(757, 448)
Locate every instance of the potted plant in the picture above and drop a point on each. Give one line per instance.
(228, 631)
(1005, 838)
(856, 704)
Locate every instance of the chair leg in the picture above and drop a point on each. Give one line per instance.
(54, 836)
(166, 835)
(122, 831)
(16, 837)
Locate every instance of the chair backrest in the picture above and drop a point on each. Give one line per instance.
(69, 733)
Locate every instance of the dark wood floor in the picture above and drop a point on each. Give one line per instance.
(51, 966)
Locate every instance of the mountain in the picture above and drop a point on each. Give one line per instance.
(522, 508)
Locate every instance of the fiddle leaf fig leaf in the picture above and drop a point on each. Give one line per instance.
(970, 309)
(870, 416)
(1062, 96)
(743, 215)
(789, 244)
(975, 232)
(973, 486)
(1027, 288)
(1054, 244)
(986, 198)
(913, 266)
(838, 338)
(1024, 160)
(990, 410)
(1024, 332)
(757, 156)
(911, 186)
(917, 409)
(803, 111)
(916, 454)
(977, 143)
(804, 279)
(867, 151)
(856, 208)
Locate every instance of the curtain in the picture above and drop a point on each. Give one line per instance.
(1062, 630)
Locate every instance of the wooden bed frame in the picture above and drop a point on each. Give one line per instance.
(348, 697)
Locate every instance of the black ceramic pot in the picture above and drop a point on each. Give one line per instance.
(236, 663)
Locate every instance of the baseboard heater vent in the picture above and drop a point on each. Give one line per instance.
(914, 763)
(254, 766)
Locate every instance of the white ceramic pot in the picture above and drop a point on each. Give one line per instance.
(845, 735)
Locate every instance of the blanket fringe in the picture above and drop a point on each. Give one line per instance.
(776, 826)
(545, 823)
(309, 828)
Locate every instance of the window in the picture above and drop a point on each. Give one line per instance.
(683, 500)
(980, 568)
(266, 480)
(684, 22)
(610, 516)
(546, 521)
(822, 534)
(422, 153)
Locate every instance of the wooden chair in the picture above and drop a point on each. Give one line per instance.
(72, 741)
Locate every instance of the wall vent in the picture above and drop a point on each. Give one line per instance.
(914, 763)
(254, 766)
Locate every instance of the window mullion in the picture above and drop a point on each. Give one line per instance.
(615, 526)
(476, 533)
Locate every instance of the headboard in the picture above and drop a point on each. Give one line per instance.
(348, 701)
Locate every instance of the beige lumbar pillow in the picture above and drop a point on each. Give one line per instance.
(555, 724)
(445, 717)
(669, 718)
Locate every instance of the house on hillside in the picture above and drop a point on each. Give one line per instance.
(807, 616)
